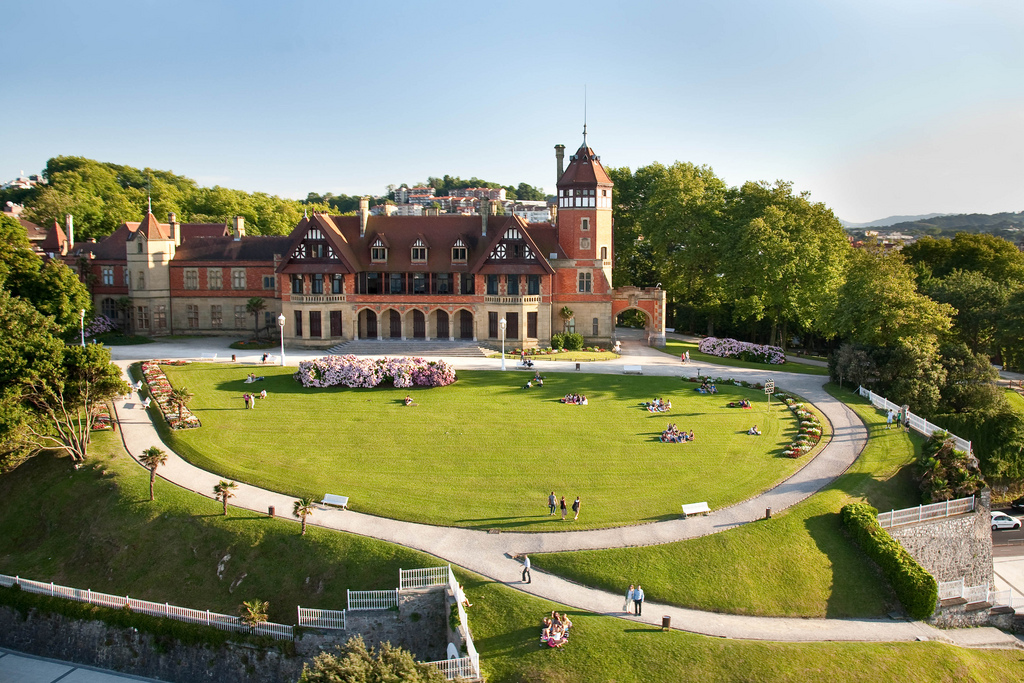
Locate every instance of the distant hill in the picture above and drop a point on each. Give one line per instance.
(891, 220)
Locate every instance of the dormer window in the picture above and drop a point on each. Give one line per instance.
(378, 252)
(459, 252)
(419, 252)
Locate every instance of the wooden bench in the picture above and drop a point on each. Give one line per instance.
(335, 500)
(696, 509)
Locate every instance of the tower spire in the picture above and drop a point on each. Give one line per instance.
(584, 115)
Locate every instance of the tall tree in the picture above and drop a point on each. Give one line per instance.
(303, 508)
(224, 490)
(151, 459)
(180, 398)
(978, 301)
(993, 257)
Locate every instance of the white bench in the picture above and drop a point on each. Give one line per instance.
(209, 356)
(632, 370)
(337, 501)
(696, 509)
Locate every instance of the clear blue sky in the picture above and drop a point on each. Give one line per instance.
(876, 108)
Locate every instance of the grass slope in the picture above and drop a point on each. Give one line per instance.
(675, 347)
(484, 452)
(799, 563)
(94, 529)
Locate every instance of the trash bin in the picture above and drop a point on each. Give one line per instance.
(270, 511)
(666, 622)
(767, 513)
(577, 366)
(232, 358)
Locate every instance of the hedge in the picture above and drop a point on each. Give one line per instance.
(914, 586)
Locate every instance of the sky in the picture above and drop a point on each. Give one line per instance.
(875, 108)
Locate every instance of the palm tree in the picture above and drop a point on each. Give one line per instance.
(254, 306)
(180, 398)
(567, 314)
(303, 508)
(152, 458)
(254, 613)
(224, 490)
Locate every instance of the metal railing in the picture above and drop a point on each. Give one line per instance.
(530, 299)
(360, 600)
(322, 618)
(915, 422)
(922, 513)
(156, 609)
(949, 590)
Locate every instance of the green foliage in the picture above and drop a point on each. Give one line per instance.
(993, 257)
(1010, 331)
(997, 440)
(557, 340)
(572, 341)
(978, 301)
(354, 663)
(970, 383)
(947, 473)
(914, 586)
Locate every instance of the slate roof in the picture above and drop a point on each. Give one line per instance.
(254, 248)
(584, 169)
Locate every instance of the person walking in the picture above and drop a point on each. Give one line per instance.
(629, 598)
(552, 504)
(687, 357)
(526, 570)
(576, 508)
(888, 420)
(564, 508)
(899, 420)
(638, 600)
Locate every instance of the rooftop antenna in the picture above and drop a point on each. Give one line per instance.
(149, 191)
(305, 213)
(584, 115)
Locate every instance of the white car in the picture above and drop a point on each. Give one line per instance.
(1001, 520)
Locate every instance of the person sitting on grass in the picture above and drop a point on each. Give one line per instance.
(704, 388)
(263, 394)
(712, 389)
(408, 400)
(528, 384)
(754, 431)
(583, 400)
(690, 437)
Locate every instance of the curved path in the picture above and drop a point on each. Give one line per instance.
(492, 555)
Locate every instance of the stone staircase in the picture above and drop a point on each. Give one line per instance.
(409, 347)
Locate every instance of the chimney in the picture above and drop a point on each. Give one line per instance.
(69, 226)
(364, 214)
(485, 211)
(239, 227)
(559, 157)
(175, 228)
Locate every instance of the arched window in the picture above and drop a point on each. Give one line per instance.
(604, 253)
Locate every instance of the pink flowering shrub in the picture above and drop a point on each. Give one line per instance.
(99, 325)
(730, 348)
(357, 372)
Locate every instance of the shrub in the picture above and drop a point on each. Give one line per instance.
(573, 341)
(557, 340)
(730, 348)
(914, 586)
(351, 371)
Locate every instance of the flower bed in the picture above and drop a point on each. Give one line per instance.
(358, 372)
(730, 348)
(160, 390)
(548, 351)
(100, 417)
(810, 429)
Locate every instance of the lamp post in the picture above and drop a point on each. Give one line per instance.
(280, 323)
(81, 325)
(501, 325)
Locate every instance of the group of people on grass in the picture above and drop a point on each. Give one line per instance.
(552, 505)
(575, 399)
(538, 380)
(250, 399)
(740, 404)
(658, 405)
(707, 388)
(253, 378)
(555, 632)
(673, 434)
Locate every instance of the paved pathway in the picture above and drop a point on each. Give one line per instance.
(491, 555)
(16, 667)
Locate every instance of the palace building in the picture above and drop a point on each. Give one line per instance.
(336, 278)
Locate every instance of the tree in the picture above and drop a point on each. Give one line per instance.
(224, 490)
(354, 663)
(151, 459)
(303, 508)
(970, 381)
(994, 257)
(254, 306)
(180, 398)
(253, 613)
(124, 309)
(978, 301)
(1010, 331)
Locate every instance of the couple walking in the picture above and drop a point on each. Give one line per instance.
(552, 504)
(637, 596)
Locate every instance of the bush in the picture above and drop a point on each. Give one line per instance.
(350, 371)
(914, 586)
(557, 341)
(573, 341)
(745, 351)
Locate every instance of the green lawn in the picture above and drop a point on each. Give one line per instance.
(1016, 400)
(799, 563)
(95, 528)
(675, 347)
(484, 452)
(571, 356)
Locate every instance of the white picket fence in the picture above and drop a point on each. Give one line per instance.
(358, 600)
(922, 513)
(426, 577)
(156, 609)
(322, 618)
(975, 594)
(463, 667)
(915, 422)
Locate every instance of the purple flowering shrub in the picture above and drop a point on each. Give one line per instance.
(731, 348)
(99, 325)
(356, 372)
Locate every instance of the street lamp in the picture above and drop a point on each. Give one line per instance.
(81, 324)
(502, 324)
(280, 323)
